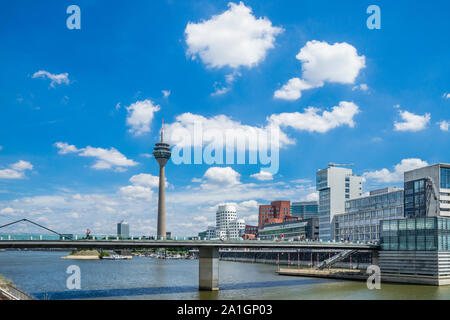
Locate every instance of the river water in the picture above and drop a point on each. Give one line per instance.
(43, 274)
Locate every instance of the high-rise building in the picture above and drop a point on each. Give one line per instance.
(123, 229)
(427, 191)
(362, 217)
(162, 155)
(335, 185)
(305, 210)
(276, 212)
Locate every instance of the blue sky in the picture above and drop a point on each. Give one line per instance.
(99, 94)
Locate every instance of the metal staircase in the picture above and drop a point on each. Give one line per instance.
(335, 259)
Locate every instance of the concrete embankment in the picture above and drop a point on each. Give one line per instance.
(344, 274)
(8, 291)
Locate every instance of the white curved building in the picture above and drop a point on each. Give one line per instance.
(227, 225)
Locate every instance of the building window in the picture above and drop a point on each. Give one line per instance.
(445, 178)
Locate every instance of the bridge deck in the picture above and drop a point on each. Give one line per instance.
(129, 244)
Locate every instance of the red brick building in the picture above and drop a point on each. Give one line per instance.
(276, 212)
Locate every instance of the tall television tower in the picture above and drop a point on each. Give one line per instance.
(162, 154)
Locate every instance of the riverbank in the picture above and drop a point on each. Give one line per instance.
(83, 255)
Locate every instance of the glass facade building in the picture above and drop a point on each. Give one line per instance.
(305, 210)
(335, 185)
(416, 234)
(362, 217)
(296, 230)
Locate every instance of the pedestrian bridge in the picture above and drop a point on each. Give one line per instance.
(208, 249)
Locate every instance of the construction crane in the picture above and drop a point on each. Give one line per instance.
(331, 164)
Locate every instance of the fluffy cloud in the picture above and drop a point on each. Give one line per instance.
(386, 176)
(105, 158)
(218, 177)
(137, 192)
(234, 38)
(16, 170)
(311, 120)
(166, 93)
(411, 122)
(55, 78)
(444, 125)
(145, 180)
(262, 176)
(322, 62)
(292, 90)
(313, 196)
(446, 95)
(140, 116)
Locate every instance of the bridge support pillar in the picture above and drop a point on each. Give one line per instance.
(208, 269)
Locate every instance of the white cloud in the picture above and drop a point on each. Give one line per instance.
(250, 204)
(217, 177)
(446, 95)
(55, 78)
(105, 158)
(166, 93)
(411, 121)
(145, 180)
(16, 170)
(234, 38)
(362, 87)
(292, 90)
(140, 116)
(7, 211)
(386, 176)
(444, 125)
(311, 120)
(262, 176)
(322, 62)
(137, 192)
(65, 148)
(229, 79)
(313, 196)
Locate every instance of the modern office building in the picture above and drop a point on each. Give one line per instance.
(295, 230)
(335, 186)
(228, 226)
(305, 210)
(427, 191)
(362, 217)
(417, 249)
(123, 229)
(276, 212)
